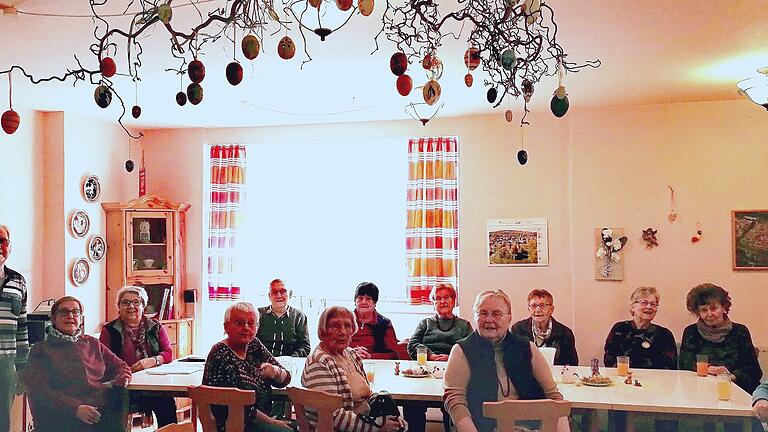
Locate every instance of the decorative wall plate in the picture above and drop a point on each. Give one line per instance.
(91, 188)
(97, 247)
(80, 223)
(80, 272)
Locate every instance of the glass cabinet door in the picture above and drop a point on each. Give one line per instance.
(149, 238)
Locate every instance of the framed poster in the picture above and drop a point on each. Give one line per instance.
(517, 242)
(749, 231)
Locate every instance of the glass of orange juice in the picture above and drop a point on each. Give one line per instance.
(622, 365)
(702, 365)
(421, 355)
(724, 387)
(370, 371)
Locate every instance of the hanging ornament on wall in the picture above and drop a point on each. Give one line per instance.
(250, 46)
(365, 7)
(559, 103)
(472, 61)
(196, 71)
(108, 67)
(129, 165)
(491, 94)
(649, 237)
(431, 92)
(398, 63)
(697, 237)
(10, 119)
(195, 93)
(165, 13)
(527, 90)
(286, 49)
(234, 71)
(508, 115)
(672, 213)
(404, 84)
(136, 109)
(522, 155)
(103, 96)
(181, 97)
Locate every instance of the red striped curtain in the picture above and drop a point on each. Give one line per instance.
(226, 203)
(432, 230)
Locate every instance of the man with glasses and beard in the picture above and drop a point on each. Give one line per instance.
(545, 331)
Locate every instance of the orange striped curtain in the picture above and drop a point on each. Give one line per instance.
(432, 230)
(227, 200)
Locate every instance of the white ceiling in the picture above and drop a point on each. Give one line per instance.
(652, 52)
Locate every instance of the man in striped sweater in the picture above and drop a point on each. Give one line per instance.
(14, 347)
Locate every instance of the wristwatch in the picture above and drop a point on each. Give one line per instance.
(157, 361)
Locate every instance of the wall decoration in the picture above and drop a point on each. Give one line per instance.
(517, 242)
(91, 188)
(672, 216)
(79, 223)
(608, 263)
(97, 247)
(697, 236)
(649, 237)
(750, 239)
(79, 272)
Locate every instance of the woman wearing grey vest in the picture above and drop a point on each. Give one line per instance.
(491, 353)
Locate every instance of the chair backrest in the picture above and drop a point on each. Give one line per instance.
(178, 427)
(235, 399)
(508, 411)
(323, 402)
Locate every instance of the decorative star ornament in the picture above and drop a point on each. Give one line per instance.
(649, 237)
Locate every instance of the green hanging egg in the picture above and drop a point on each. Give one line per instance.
(165, 13)
(559, 106)
(508, 59)
(195, 93)
(250, 46)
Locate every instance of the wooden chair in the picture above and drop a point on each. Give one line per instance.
(323, 402)
(178, 427)
(508, 411)
(235, 399)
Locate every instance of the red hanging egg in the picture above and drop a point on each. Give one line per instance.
(398, 63)
(314, 3)
(196, 71)
(250, 46)
(404, 85)
(234, 73)
(431, 92)
(195, 93)
(286, 49)
(472, 58)
(344, 5)
(508, 115)
(136, 111)
(468, 80)
(427, 62)
(365, 7)
(10, 121)
(181, 98)
(103, 96)
(108, 67)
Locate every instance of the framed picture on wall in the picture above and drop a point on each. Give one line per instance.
(749, 231)
(517, 242)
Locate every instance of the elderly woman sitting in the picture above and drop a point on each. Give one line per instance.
(142, 343)
(336, 368)
(491, 365)
(243, 362)
(375, 338)
(74, 382)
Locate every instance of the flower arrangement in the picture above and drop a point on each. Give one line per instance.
(608, 250)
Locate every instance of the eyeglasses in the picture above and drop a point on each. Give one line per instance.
(5, 242)
(243, 323)
(441, 298)
(646, 303)
(538, 306)
(281, 292)
(135, 303)
(66, 312)
(497, 314)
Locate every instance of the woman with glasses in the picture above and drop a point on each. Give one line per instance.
(142, 343)
(491, 364)
(74, 382)
(648, 345)
(544, 330)
(438, 334)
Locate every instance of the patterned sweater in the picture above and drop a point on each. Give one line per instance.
(651, 348)
(286, 335)
(14, 342)
(429, 332)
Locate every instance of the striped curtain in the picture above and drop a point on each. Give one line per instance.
(432, 230)
(227, 200)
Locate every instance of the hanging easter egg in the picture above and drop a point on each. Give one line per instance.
(431, 92)
(559, 106)
(344, 5)
(435, 70)
(398, 63)
(107, 67)
(250, 46)
(468, 80)
(181, 98)
(508, 59)
(314, 3)
(508, 115)
(234, 73)
(286, 49)
(427, 62)
(195, 93)
(527, 89)
(365, 7)
(196, 71)
(522, 157)
(136, 111)
(404, 85)
(472, 58)
(165, 13)
(560, 92)
(129, 165)
(10, 121)
(103, 96)
(491, 94)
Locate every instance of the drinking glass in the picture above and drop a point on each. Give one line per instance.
(421, 355)
(370, 371)
(622, 365)
(724, 387)
(702, 365)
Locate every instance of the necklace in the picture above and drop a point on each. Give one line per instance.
(453, 323)
(501, 386)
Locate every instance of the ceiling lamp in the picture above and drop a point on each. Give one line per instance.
(323, 17)
(756, 89)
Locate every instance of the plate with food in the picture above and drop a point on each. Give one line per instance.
(416, 373)
(597, 381)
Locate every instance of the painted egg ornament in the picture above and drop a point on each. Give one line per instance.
(527, 90)
(365, 7)
(250, 46)
(344, 5)
(136, 111)
(286, 49)
(472, 58)
(491, 95)
(435, 71)
(522, 157)
(468, 80)
(181, 98)
(508, 115)
(234, 73)
(10, 121)
(103, 96)
(431, 92)
(427, 62)
(314, 3)
(398, 63)
(404, 85)
(129, 165)
(165, 13)
(195, 93)
(560, 92)
(559, 106)
(196, 71)
(508, 59)
(107, 67)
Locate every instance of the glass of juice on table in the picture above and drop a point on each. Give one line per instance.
(421, 355)
(702, 365)
(370, 371)
(724, 387)
(622, 365)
